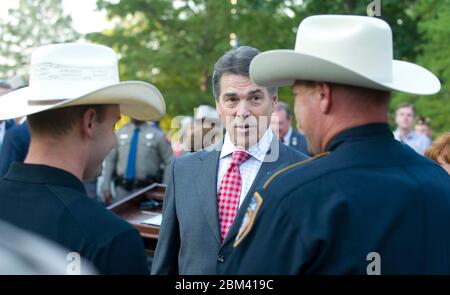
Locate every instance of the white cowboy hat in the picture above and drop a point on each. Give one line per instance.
(352, 50)
(70, 74)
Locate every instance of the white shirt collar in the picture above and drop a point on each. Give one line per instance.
(257, 151)
(287, 137)
(398, 136)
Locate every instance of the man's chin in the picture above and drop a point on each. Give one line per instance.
(245, 139)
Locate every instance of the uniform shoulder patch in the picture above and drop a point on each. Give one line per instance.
(249, 218)
(287, 168)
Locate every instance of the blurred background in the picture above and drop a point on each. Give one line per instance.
(174, 44)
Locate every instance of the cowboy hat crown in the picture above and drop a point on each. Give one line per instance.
(63, 75)
(351, 50)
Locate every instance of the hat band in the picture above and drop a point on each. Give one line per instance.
(45, 102)
(60, 72)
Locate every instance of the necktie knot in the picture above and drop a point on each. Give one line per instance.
(239, 157)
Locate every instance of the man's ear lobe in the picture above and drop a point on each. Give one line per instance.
(326, 97)
(88, 122)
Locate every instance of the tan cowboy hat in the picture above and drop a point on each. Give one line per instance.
(351, 50)
(70, 74)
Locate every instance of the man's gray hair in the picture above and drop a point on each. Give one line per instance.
(282, 106)
(237, 62)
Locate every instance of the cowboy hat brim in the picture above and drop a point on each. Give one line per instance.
(282, 67)
(138, 100)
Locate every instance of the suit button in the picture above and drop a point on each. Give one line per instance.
(220, 258)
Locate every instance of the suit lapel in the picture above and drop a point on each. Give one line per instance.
(264, 171)
(206, 184)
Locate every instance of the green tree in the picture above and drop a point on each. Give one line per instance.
(174, 44)
(433, 19)
(32, 24)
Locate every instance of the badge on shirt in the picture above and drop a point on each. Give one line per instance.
(123, 139)
(249, 218)
(294, 141)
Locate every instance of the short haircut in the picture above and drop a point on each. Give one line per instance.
(372, 97)
(424, 121)
(406, 105)
(58, 122)
(440, 148)
(282, 106)
(237, 62)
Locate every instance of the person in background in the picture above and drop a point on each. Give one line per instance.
(423, 126)
(281, 124)
(404, 118)
(138, 160)
(5, 87)
(15, 146)
(439, 151)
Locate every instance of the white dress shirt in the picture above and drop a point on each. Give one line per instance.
(417, 141)
(287, 137)
(249, 169)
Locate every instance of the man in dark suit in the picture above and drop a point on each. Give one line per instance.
(365, 204)
(5, 125)
(282, 126)
(201, 212)
(15, 146)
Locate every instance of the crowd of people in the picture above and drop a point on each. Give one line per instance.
(247, 192)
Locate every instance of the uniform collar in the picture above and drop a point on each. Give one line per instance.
(43, 174)
(257, 151)
(360, 133)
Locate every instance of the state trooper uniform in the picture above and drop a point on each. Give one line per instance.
(153, 153)
(368, 199)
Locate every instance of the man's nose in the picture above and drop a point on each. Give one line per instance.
(243, 110)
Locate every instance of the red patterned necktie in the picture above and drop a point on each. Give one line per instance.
(229, 192)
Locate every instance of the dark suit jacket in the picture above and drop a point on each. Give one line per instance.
(15, 146)
(299, 143)
(189, 240)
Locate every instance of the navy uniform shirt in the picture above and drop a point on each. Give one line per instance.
(368, 205)
(53, 203)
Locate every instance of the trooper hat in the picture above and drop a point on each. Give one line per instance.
(345, 49)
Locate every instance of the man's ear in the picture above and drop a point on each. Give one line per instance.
(274, 102)
(89, 123)
(326, 96)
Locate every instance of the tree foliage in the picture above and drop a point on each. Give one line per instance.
(174, 44)
(32, 24)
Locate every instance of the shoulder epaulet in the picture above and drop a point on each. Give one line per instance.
(289, 167)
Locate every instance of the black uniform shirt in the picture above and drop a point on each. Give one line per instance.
(369, 205)
(53, 203)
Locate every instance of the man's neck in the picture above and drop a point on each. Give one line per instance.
(404, 132)
(56, 154)
(335, 129)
